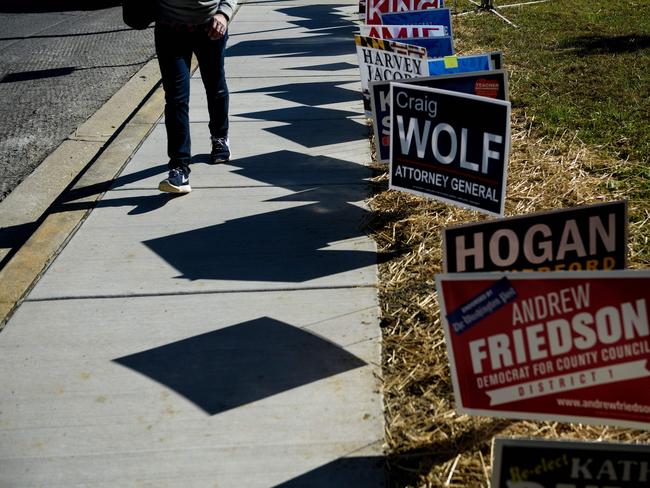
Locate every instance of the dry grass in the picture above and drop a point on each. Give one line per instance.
(554, 82)
(428, 443)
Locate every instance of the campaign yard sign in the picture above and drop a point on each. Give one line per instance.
(402, 31)
(460, 64)
(493, 84)
(590, 237)
(374, 8)
(533, 463)
(436, 46)
(380, 60)
(568, 347)
(450, 146)
(437, 16)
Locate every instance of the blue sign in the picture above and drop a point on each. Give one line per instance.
(485, 304)
(461, 64)
(433, 16)
(436, 46)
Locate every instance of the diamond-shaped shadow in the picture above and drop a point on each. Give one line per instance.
(324, 126)
(243, 363)
(333, 39)
(293, 245)
(326, 67)
(301, 113)
(311, 94)
(353, 472)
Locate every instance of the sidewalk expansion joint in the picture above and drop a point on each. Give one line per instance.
(195, 293)
(234, 187)
(286, 121)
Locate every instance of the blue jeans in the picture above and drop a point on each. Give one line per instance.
(174, 48)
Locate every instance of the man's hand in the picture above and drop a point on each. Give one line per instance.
(217, 26)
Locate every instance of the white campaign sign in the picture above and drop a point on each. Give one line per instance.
(387, 60)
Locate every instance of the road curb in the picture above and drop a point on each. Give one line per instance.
(85, 163)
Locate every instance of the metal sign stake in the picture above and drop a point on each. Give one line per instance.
(488, 6)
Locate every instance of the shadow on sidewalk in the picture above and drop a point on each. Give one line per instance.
(56, 72)
(344, 472)
(243, 363)
(311, 94)
(294, 245)
(310, 123)
(70, 201)
(59, 36)
(335, 126)
(328, 67)
(329, 33)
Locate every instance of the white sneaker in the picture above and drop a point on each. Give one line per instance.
(178, 181)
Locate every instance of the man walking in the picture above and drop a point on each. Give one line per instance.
(184, 27)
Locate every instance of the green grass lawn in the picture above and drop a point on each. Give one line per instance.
(577, 65)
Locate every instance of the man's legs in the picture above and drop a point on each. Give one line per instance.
(210, 55)
(174, 51)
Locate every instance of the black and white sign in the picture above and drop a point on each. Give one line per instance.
(450, 146)
(531, 463)
(586, 238)
(381, 59)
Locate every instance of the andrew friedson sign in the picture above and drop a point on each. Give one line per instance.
(567, 347)
(450, 146)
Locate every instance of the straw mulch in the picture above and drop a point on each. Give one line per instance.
(429, 445)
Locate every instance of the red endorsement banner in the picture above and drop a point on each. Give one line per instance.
(572, 347)
(487, 88)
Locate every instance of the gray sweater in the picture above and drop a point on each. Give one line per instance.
(194, 11)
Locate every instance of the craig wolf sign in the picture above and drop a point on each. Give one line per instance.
(450, 146)
(591, 237)
(532, 463)
(570, 347)
(488, 84)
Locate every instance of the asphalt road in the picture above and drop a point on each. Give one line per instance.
(60, 61)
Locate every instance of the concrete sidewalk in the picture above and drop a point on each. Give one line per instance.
(230, 337)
